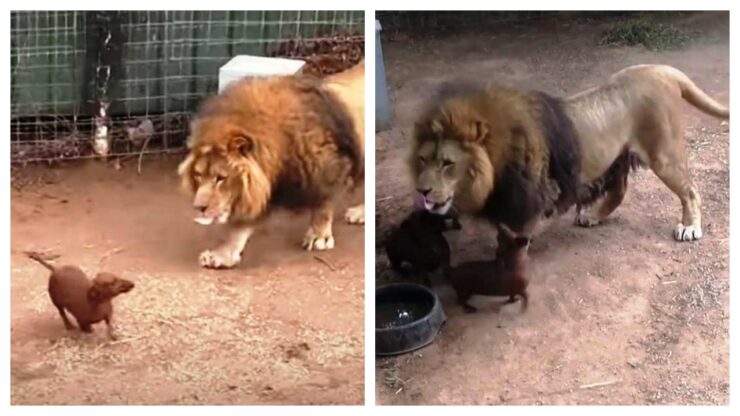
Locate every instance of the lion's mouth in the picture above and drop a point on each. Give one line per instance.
(205, 219)
(438, 207)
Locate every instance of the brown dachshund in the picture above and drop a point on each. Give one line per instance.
(88, 301)
(504, 276)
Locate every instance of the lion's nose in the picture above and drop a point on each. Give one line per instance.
(424, 191)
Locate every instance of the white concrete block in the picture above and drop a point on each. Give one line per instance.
(256, 66)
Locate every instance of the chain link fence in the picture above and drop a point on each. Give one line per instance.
(92, 83)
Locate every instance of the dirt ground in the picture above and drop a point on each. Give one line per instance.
(622, 303)
(283, 328)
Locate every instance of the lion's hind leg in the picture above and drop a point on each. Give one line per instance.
(319, 235)
(673, 172)
(669, 161)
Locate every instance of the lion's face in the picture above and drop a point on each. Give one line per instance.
(209, 178)
(226, 182)
(449, 161)
(439, 167)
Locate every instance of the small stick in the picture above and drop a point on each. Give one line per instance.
(599, 384)
(387, 198)
(122, 341)
(665, 312)
(329, 265)
(110, 253)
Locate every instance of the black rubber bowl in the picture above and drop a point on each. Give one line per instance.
(407, 317)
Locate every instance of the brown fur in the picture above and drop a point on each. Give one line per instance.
(291, 141)
(88, 301)
(420, 244)
(504, 276)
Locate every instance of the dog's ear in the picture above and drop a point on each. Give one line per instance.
(95, 294)
(241, 144)
(522, 241)
(507, 232)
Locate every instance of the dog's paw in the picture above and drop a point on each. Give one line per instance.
(687, 233)
(219, 259)
(355, 215)
(317, 242)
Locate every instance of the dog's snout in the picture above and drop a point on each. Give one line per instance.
(127, 286)
(424, 192)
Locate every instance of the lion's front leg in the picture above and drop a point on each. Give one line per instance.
(355, 215)
(229, 253)
(319, 236)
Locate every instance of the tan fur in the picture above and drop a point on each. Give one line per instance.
(640, 108)
(265, 134)
(479, 136)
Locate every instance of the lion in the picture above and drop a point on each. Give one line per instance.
(293, 142)
(518, 157)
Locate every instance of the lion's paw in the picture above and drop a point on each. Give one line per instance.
(584, 219)
(687, 232)
(355, 215)
(218, 259)
(319, 243)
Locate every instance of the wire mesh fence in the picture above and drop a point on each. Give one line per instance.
(92, 83)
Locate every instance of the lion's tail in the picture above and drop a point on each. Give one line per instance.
(694, 95)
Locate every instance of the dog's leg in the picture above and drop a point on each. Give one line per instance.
(467, 307)
(111, 330)
(319, 236)
(229, 253)
(525, 300)
(355, 215)
(85, 327)
(67, 323)
(671, 166)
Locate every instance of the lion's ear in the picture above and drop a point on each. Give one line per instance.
(184, 167)
(478, 130)
(436, 127)
(241, 144)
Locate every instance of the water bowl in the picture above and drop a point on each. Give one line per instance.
(408, 316)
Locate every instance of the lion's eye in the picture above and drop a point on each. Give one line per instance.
(447, 163)
(220, 178)
(422, 160)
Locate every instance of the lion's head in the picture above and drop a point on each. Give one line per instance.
(448, 161)
(236, 148)
(225, 169)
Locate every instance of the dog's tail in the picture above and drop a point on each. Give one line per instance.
(694, 95)
(37, 256)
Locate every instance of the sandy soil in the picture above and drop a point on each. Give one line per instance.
(621, 303)
(283, 328)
